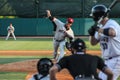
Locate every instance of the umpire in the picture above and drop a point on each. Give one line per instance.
(81, 66)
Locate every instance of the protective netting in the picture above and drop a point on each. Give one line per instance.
(59, 8)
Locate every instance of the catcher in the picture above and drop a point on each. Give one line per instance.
(43, 66)
(81, 66)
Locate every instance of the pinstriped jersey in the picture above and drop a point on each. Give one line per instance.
(110, 46)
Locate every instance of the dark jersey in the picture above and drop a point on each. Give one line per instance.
(81, 64)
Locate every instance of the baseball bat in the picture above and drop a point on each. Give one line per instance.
(108, 10)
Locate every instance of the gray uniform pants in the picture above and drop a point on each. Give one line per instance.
(11, 32)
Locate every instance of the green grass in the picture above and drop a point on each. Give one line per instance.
(34, 44)
(10, 59)
(27, 44)
(13, 75)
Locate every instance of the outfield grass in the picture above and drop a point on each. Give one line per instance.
(26, 44)
(13, 75)
(34, 44)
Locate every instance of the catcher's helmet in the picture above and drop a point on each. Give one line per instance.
(70, 20)
(98, 11)
(43, 66)
(78, 45)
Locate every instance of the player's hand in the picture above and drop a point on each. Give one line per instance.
(92, 30)
(48, 13)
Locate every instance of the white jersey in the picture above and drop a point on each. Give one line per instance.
(10, 28)
(39, 76)
(59, 34)
(110, 46)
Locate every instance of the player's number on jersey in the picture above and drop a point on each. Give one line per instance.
(105, 46)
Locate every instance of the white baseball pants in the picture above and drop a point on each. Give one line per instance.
(61, 46)
(9, 35)
(114, 65)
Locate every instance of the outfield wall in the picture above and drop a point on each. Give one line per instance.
(43, 26)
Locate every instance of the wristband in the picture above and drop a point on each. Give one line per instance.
(106, 31)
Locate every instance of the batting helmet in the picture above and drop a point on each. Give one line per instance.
(98, 11)
(43, 66)
(78, 45)
(70, 20)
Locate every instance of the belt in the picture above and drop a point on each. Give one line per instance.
(109, 58)
(59, 40)
(84, 76)
(112, 57)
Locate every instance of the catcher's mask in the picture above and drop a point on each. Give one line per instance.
(79, 45)
(43, 66)
(98, 11)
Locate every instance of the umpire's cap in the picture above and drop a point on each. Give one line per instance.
(43, 66)
(78, 45)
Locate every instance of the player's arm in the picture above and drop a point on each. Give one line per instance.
(70, 35)
(52, 19)
(104, 68)
(92, 33)
(57, 67)
(50, 16)
(93, 40)
(109, 73)
(107, 31)
(53, 72)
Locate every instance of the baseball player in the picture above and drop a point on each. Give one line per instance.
(10, 30)
(81, 66)
(43, 66)
(63, 30)
(108, 35)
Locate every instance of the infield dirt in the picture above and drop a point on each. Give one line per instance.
(30, 65)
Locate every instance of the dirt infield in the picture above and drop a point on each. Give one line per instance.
(30, 65)
(36, 53)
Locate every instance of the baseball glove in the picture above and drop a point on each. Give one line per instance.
(68, 45)
(92, 29)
